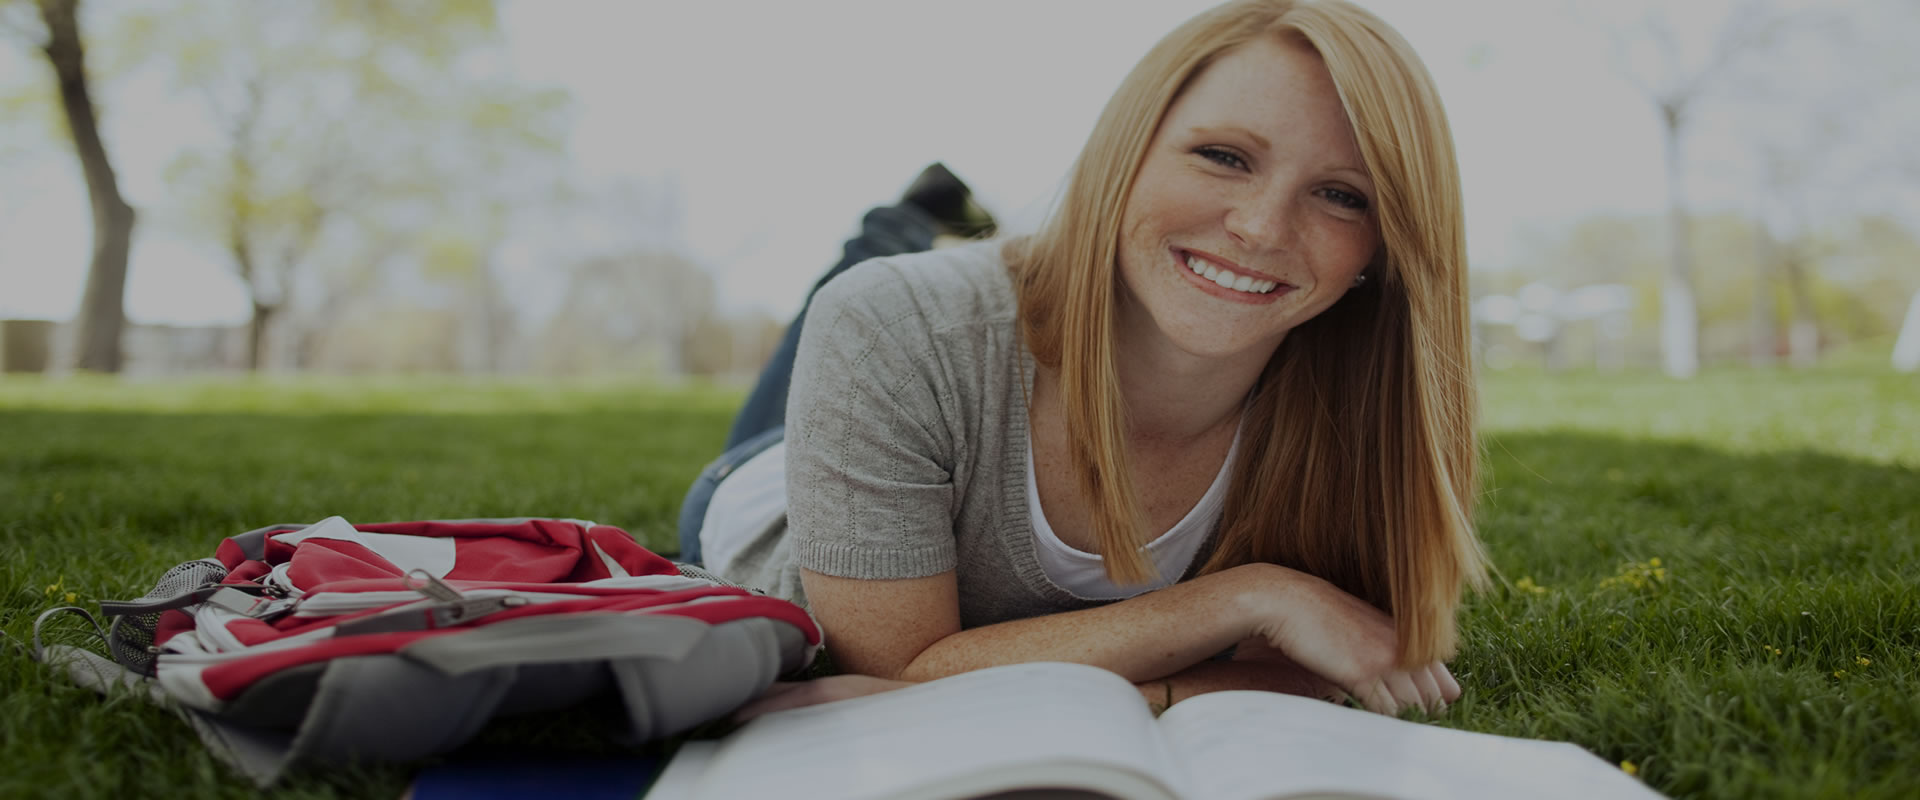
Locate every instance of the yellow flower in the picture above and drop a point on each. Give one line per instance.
(55, 587)
(1630, 768)
(1526, 584)
(1841, 673)
(72, 597)
(1638, 575)
(1863, 661)
(1771, 650)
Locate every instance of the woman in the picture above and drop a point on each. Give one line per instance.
(1222, 401)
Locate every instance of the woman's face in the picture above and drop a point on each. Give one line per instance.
(1252, 211)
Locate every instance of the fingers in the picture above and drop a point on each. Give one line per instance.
(1376, 697)
(1429, 689)
(1449, 688)
(1405, 693)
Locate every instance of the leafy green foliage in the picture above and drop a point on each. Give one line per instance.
(1713, 580)
(349, 133)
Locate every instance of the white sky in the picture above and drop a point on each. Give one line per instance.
(781, 122)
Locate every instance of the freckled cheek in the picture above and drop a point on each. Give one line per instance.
(1338, 249)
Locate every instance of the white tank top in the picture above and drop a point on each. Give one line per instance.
(1085, 574)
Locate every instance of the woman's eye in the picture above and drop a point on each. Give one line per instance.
(1225, 158)
(1345, 199)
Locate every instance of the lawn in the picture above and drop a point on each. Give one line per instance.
(1713, 580)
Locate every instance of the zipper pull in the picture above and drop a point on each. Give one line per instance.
(469, 610)
(431, 586)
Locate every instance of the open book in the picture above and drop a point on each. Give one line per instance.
(1051, 730)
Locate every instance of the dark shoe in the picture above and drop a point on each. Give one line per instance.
(950, 203)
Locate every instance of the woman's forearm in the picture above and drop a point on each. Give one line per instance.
(1141, 638)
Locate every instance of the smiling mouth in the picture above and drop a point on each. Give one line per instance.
(1227, 279)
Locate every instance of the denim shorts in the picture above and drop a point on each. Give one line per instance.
(693, 510)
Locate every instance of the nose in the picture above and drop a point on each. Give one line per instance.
(1261, 217)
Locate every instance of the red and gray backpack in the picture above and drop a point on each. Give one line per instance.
(333, 643)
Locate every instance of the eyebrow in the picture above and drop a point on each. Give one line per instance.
(1257, 138)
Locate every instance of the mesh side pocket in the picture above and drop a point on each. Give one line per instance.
(700, 573)
(130, 638)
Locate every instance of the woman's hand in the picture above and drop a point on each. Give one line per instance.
(795, 694)
(1287, 675)
(1343, 639)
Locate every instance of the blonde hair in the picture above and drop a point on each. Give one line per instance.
(1358, 454)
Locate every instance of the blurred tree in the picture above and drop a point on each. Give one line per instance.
(636, 311)
(1857, 274)
(102, 308)
(1785, 254)
(28, 119)
(351, 127)
(1906, 349)
(1655, 53)
(504, 147)
(634, 300)
(1822, 150)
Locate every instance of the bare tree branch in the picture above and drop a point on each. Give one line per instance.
(20, 21)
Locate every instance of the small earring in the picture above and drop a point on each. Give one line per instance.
(1359, 279)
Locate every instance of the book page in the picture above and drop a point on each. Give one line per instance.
(681, 779)
(998, 729)
(1258, 745)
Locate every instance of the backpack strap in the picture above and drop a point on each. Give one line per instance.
(39, 650)
(155, 605)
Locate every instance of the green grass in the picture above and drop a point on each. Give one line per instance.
(1784, 509)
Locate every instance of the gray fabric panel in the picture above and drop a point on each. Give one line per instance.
(673, 673)
(253, 543)
(279, 700)
(261, 755)
(258, 754)
(394, 709)
(734, 663)
(559, 639)
(265, 755)
(551, 687)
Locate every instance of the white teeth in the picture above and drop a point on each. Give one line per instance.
(1229, 280)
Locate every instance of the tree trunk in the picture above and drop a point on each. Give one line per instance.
(1803, 336)
(102, 311)
(257, 334)
(1906, 349)
(493, 330)
(1679, 316)
(1764, 337)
